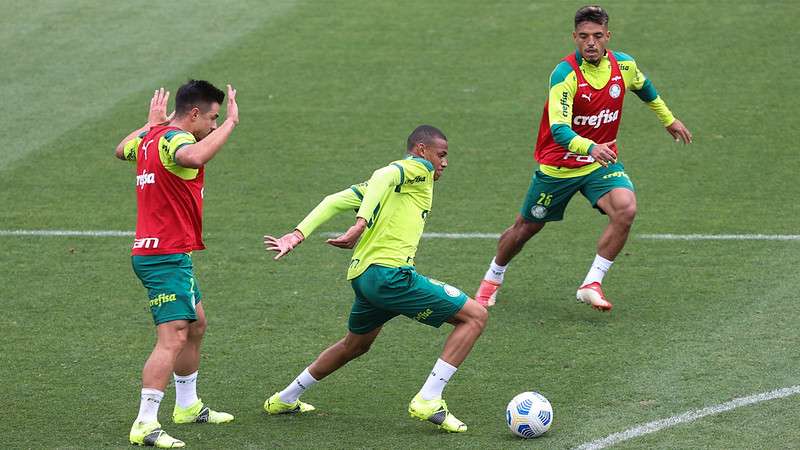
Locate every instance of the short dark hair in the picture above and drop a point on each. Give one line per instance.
(591, 13)
(424, 134)
(197, 94)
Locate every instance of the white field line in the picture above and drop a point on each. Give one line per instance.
(721, 237)
(49, 233)
(690, 416)
(663, 237)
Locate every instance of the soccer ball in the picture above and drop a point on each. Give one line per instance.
(529, 415)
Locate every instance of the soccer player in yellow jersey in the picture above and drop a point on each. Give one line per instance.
(392, 207)
(577, 152)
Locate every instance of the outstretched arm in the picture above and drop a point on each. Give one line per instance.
(329, 207)
(156, 116)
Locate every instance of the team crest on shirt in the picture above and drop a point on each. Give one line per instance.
(614, 90)
(538, 211)
(452, 291)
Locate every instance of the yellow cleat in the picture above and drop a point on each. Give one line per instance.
(274, 405)
(151, 435)
(435, 411)
(199, 413)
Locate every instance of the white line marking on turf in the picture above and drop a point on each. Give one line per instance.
(435, 235)
(99, 233)
(721, 237)
(690, 416)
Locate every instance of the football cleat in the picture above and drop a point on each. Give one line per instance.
(199, 413)
(435, 411)
(487, 293)
(151, 435)
(592, 294)
(274, 405)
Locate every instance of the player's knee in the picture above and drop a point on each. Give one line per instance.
(481, 316)
(524, 229)
(174, 341)
(198, 327)
(477, 317)
(626, 214)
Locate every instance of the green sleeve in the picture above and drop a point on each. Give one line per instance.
(330, 206)
(381, 181)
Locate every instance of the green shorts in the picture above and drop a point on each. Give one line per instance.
(385, 292)
(548, 196)
(171, 286)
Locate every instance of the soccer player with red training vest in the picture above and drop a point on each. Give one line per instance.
(576, 150)
(170, 154)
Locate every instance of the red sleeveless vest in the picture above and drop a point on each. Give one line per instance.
(169, 216)
(596, 114)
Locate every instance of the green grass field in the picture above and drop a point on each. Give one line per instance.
(328, 91)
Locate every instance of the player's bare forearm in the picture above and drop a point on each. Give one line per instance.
(198, 154)
(350, 237)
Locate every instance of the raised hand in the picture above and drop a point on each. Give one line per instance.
(679, 132)
(158, 108)
(283, 245)
(233, 108)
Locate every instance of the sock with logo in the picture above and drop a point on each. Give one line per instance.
(495, 272)
(185, 390)
(598, 270)
(437, 380)
(296, 388)
(148, 408)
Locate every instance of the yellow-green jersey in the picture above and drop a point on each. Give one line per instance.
(168, 144)
(395, 202)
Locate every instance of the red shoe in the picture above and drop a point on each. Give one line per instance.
(487, 293)
(592, 294)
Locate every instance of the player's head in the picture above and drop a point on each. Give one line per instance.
(429, 143)
(197, 107)
(591, 32)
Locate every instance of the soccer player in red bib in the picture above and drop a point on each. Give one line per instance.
(577, 152)
(170, 156)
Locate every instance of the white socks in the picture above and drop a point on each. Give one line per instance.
(148, 408)
(495, 272)
(296, 388)
(185, 390)
(598, 270)
(185, 396)
(437, 380)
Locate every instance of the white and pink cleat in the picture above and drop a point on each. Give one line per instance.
(592, 295)
(487, 293)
